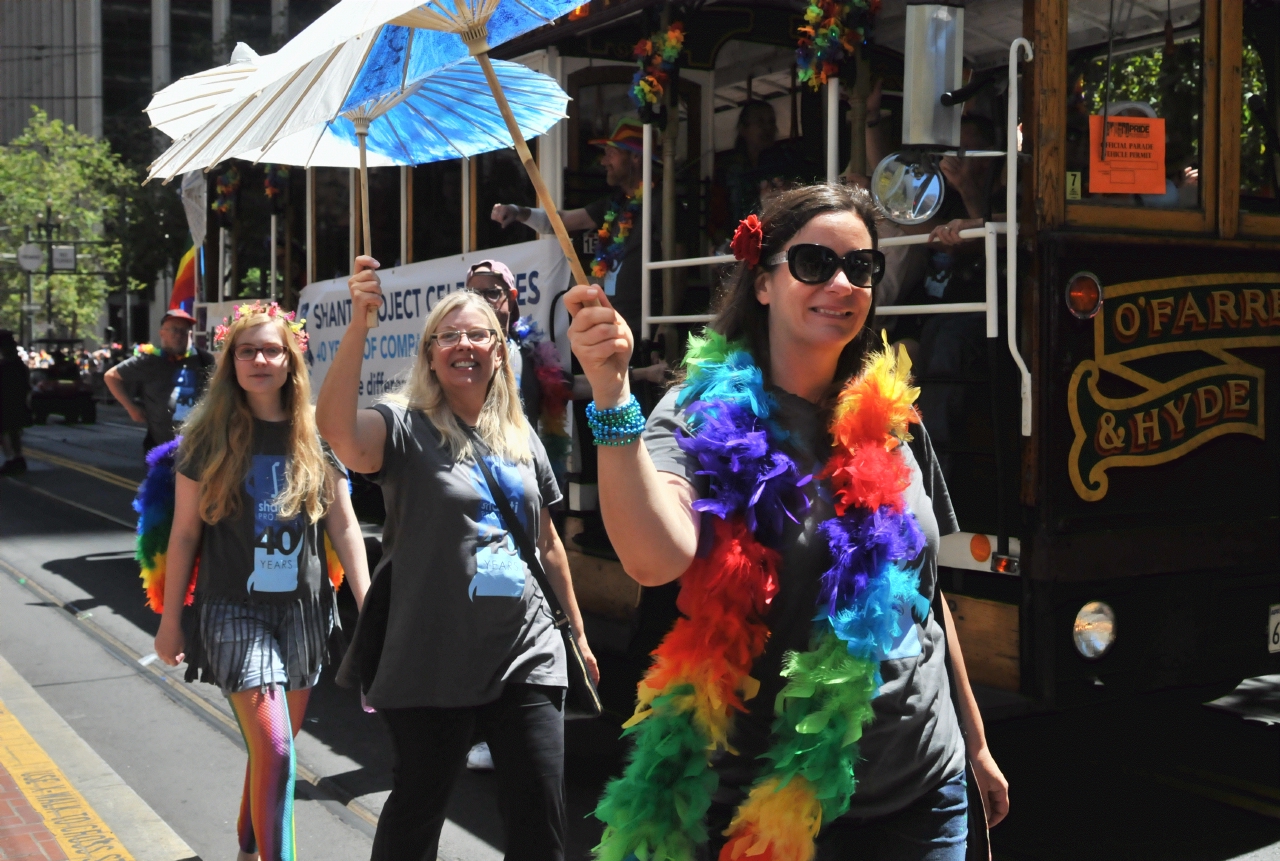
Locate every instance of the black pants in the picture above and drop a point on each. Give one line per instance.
(525, 731)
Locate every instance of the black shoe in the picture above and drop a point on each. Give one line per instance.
(17, 466)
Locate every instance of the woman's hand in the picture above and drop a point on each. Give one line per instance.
(170, 643)
(366, 289)
(593, 668)
(992, 784)
(603, 343)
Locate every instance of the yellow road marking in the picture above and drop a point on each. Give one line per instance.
(76, 826)
(40, 490)
(101, 474)
(175, 685)
(1222, 796)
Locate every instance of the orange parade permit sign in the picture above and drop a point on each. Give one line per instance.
(1135, 156)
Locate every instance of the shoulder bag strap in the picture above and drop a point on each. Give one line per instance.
(527, 550)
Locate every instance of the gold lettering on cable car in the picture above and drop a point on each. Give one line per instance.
(1209, 314)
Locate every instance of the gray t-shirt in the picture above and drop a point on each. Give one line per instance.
(168, 387)
(466, 616)
(914, 742)
(255, 555)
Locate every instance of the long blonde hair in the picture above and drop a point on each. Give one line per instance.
(219, 435)
(502, 424)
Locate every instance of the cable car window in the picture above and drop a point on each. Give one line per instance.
(1260, 108)
(1147, 152)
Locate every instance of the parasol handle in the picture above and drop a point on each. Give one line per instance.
(362, 131)
(531, 167)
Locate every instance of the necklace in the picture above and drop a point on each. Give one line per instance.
(701, 672)
(612, 235)
(556, 392)
(153, 350)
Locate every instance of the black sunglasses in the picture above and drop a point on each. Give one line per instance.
(817, 264)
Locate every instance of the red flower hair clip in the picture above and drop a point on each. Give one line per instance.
(747, 240)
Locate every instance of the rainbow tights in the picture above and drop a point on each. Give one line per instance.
(269, 719)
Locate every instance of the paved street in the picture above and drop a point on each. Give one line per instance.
(1159, 776)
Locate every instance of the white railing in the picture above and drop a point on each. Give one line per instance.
(988, 233)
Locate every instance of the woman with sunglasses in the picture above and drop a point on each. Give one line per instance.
(469, 641)
(775, 482)
(254, 490)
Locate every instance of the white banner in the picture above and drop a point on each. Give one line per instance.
(410, 292)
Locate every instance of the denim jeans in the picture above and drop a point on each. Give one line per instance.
(934, 828)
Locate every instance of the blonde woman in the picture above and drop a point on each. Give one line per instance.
(469, 641)
(254, 488)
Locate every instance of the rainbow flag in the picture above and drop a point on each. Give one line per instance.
(184, 283)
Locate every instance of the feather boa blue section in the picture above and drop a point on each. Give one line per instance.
(748, 475)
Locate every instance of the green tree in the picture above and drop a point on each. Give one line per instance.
(85, 184)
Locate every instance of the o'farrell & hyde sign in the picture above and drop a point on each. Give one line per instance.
(1169, 417)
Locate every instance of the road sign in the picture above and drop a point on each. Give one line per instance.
(64, 258)
(32, 307)
(30, 257)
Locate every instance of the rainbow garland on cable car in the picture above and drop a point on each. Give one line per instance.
(700, 675)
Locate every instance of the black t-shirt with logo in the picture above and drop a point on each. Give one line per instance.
(254, 555)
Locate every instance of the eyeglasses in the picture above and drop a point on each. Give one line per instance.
(476, 337)
(817, 264)
(492, 295)
(248, 352)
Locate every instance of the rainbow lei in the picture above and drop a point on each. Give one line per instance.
(226, 186)
(831, 33)
(656, 60)
(700, 673)
(556, 392)
(153, 350)
(612, 235)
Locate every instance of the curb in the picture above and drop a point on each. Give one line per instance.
(138, 827)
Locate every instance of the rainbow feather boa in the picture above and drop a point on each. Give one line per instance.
(154, 504)
(700, 674)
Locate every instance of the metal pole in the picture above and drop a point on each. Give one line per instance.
(1011, 214)
(27, 315)
(222, 263)
(833, 129)
(272, 291)
(646, 229)
(466, 205)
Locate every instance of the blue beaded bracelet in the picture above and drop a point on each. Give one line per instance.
(620, 425)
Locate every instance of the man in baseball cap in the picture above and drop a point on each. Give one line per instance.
(158, 386)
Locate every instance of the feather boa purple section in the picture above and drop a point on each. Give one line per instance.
(866, 581)
(154, 502)
(748, 475)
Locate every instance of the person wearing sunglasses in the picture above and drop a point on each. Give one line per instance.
(743, 460)
(467, 642)
(256, 500)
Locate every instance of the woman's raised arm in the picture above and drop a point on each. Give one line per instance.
(649, 514)
(356, 436)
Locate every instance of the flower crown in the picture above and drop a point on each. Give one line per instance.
(256, 307)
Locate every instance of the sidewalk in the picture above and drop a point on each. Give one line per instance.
(59, 800)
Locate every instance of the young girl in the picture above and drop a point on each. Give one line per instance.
(254, 487)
